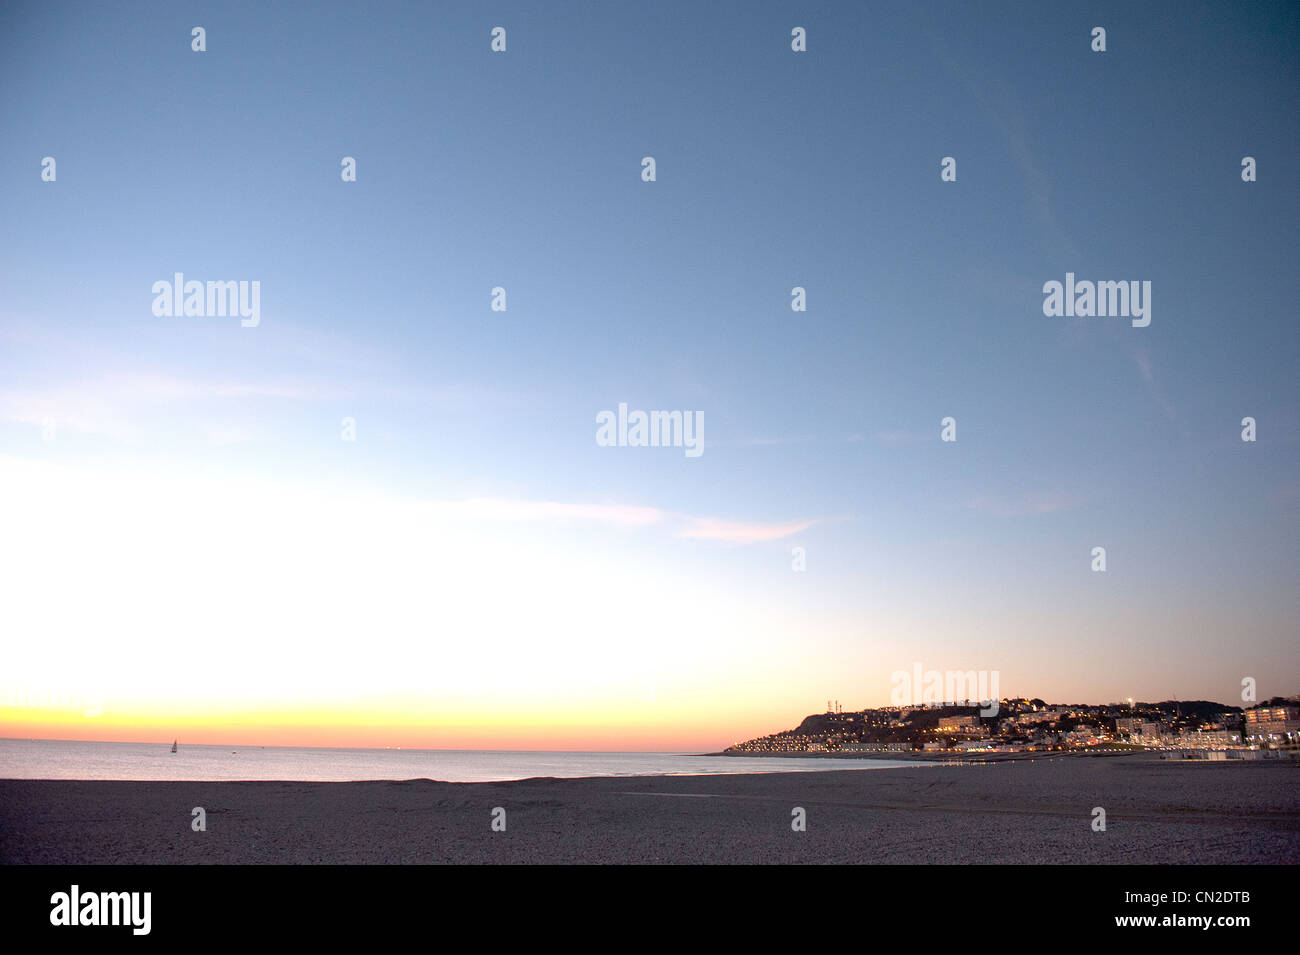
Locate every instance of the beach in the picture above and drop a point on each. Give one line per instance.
(1039, 811)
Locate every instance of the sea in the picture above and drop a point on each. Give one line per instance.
(64, 759)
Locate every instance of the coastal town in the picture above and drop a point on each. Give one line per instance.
(1191, 728)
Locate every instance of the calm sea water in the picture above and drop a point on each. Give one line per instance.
(58, 759)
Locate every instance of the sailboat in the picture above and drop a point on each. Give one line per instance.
(173, 746)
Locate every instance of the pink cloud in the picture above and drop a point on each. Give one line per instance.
(620, 515)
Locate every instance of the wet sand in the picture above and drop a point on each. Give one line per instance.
(1040, 811)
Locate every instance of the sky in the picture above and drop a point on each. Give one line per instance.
(381, 515)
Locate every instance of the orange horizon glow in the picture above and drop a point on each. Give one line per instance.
(280, 614)
(306, 729)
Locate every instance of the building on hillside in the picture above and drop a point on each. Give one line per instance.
(1034, 717)
(962, 726)
(1130, 725)
(1273, 724)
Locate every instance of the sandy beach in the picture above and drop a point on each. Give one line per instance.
(1037, 811)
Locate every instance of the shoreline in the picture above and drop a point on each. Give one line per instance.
(945, 756)
(1038, 811)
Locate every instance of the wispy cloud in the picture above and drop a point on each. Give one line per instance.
(501, 509)
(43, 378)
(107, 405)
(741, 532)
(1143, 361)
(999, 102)
(687, 526)
(684, 526)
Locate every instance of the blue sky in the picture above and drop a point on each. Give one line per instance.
(774, 170)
